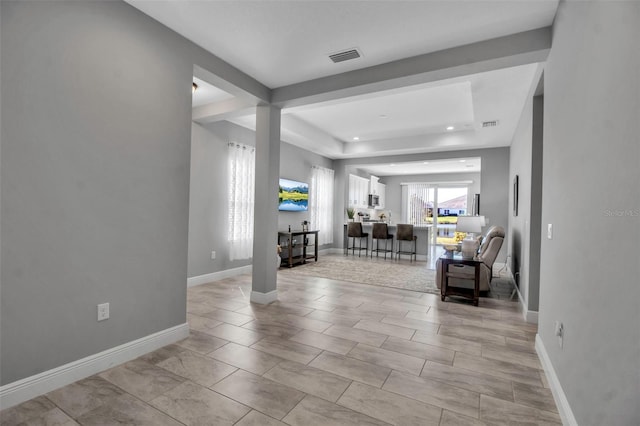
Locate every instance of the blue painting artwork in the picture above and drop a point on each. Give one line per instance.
(293, 196)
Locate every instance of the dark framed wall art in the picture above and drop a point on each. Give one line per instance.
(515, 195)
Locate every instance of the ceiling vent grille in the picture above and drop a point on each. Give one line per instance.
(345, 55)
(493, 123)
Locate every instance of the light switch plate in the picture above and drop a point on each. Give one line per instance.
(550, 231)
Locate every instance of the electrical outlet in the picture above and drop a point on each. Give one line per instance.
(103, 311)
(213, 255)
(559, 332)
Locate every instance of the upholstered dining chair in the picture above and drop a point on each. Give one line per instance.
(354, 230)
(404, 234)
(379, 232)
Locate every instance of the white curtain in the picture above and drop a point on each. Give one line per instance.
(321, 203)
(417, 203)
(242, 165)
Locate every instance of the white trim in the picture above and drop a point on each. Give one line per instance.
(527, 315)
(564, 409)
(215, 276)
(332, 250)
(421, 257)
(264, 298)
(436, 184)
(531, 316)
(25, 389)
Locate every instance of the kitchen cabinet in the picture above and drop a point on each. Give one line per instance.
(373, 185)
(382, 189)
(358, 192)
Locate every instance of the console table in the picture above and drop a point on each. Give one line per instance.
(295, 246)
(448, 259)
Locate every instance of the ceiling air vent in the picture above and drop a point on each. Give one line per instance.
(493, 123)
(345, 55)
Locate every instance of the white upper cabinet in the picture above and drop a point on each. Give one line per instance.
(373, 185)
(358, 192)
(382, 190)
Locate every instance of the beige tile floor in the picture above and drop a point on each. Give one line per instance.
(327, 353)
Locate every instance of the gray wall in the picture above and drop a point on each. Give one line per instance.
(494, 184)
(524, 229)
(96, 103)
(208, 201)
(208, 193)
(590, 269)
(296, 163)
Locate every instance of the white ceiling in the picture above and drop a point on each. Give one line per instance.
(281, 43)
(285, 42)
(394, 113)
(207, 94)
(455, 165)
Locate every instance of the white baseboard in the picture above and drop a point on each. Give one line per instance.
(23, 390)
(531, 316)
(421, 257)
(333, 250)
(215, 276)
(264, 298)
(566, 415)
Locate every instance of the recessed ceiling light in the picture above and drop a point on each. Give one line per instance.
(356, 138)
(426, 162)
(391, 165)
(462, 161)
(450, 128)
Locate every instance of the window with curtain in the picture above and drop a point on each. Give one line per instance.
(418, 204)
(321, 203)
(242, 165)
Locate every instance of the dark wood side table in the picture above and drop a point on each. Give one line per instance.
(457, 259)
(294, 247)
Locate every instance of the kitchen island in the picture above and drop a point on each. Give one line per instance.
(422, 232)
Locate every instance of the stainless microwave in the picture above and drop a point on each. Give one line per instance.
(374, 200)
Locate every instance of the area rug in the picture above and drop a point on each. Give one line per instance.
(386, 273)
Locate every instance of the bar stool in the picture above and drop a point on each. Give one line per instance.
(404, 233)
(381, 232)
(354, 230)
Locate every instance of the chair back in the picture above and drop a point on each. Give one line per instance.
(404, 232)
(491, 244)
(380, 231)
(354, 229)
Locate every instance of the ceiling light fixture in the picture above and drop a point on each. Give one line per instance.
(356, 138)
(383, 116)
(450, 128)
(426, 162)
(463, 161)
(392, 165)
(194, 87)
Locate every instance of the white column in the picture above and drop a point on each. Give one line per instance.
(265, 234)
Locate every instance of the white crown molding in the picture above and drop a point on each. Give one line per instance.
(47, 381)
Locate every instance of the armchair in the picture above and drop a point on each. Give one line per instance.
(487, 254)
